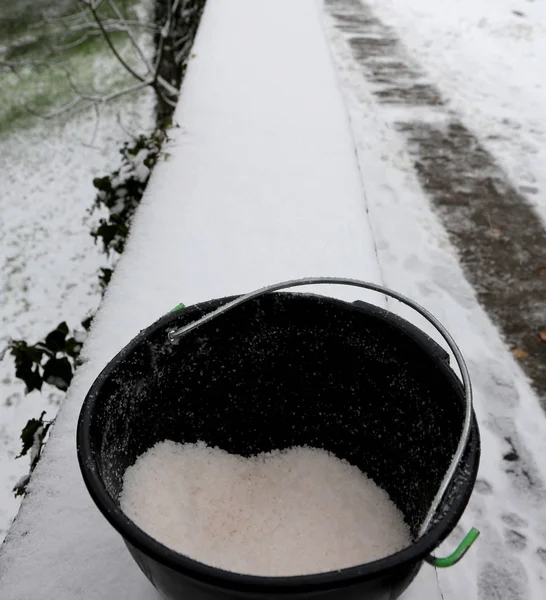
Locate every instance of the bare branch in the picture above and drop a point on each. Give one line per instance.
(170, 89)
(128, 90)
(93, 30)
(83, 101)
(167, 28)
(93, 10)
(183, 52)
(159, 56)
(166, 31)
(130, 34)
(181, 40)
(81, 40)
(175, 6)
(111, 25)
(114, 25)
(89, 23)
(97, 123)
(122, 126)
(93, 5)
(74, 87)
(168, 100)
(65, 19)
(68, 107)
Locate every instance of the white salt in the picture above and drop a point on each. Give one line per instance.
(290, 512)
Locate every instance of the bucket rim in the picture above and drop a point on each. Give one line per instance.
(149, 546)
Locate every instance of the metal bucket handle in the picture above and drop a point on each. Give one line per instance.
(175, 334)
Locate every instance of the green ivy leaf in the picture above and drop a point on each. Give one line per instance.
(103, 184)
(23, 353)
(105, 276)
(27, 435)
(31, 376)
(56, 340)
(58, 372)
(72, 347)
(86, 323)
(149, 161)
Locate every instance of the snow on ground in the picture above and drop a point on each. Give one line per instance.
(416, 258)
(262, 185)
(487, 59)
(48, 260)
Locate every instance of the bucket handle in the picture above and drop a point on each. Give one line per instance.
(176, 334)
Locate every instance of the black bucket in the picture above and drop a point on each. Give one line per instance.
(281, 370)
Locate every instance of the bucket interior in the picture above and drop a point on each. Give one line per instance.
(287, 370)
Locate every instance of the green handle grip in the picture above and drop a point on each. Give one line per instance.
(178, 307)
(458, 553)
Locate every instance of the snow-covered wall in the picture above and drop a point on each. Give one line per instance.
(262, 185)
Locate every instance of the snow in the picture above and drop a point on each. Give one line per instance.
(48, 259)
(488, 62)
(417, 260)
(263, 184)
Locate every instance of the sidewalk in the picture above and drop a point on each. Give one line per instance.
(262, 185)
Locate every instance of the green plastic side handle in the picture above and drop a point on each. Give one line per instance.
(178, 307)
(459, 552)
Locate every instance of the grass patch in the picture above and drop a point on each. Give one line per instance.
(50, 49)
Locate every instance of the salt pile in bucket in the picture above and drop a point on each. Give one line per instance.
(289, 512)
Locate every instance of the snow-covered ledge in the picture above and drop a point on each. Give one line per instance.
(261, 185)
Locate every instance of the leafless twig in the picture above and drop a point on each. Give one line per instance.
(83, 101)
(69, 106)
(81, 40)
(97, 108)
(168, 100)
(111, 45)
(88, 23)
(130, 34)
